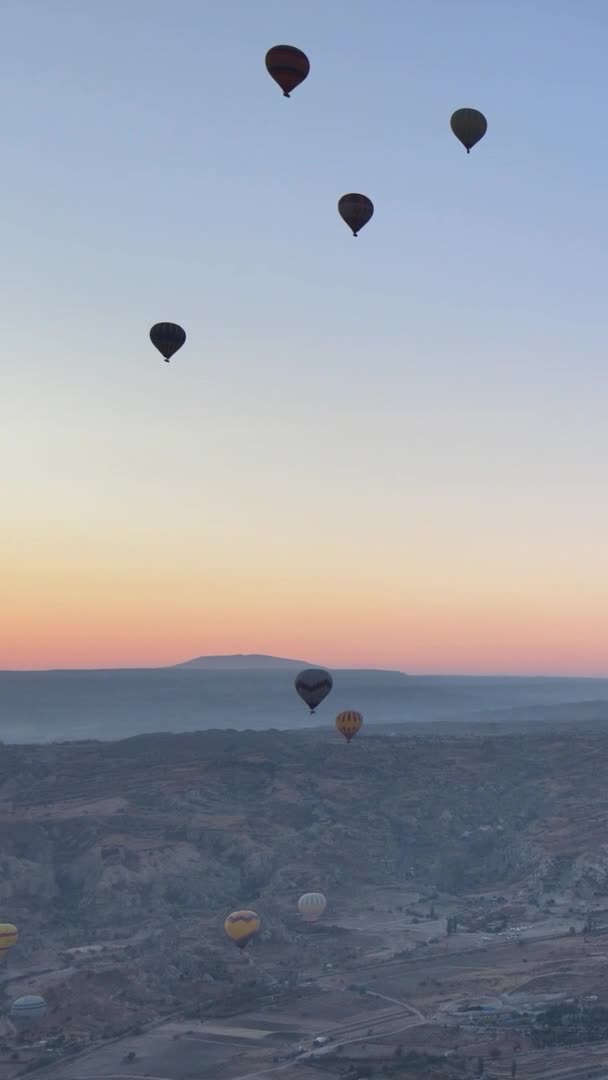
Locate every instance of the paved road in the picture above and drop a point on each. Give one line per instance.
(336, 1041)
(405, 1004)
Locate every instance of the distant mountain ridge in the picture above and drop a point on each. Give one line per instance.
(260, 662)
(244, 662)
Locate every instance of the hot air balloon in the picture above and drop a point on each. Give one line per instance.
(241, 927)
(8, 937)
(311, 906)
(469, 126)
(288, 67)
(167, 337)
(355, 210)
(313, 686)
(28, 1011)
(348, 723)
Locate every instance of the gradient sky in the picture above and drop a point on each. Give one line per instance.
(386, 451)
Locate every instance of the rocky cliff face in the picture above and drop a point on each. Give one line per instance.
(108, 837)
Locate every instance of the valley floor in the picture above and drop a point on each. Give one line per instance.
(375, 1010)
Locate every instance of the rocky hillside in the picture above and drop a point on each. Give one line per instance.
(119, 861)
(109, 836)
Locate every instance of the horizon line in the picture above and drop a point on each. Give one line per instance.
(332, 668)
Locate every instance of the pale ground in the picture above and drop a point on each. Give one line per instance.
(410, 999)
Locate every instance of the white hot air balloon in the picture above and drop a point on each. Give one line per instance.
(311, 906)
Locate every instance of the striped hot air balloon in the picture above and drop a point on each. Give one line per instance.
(469, 126)
(28, 1011)
(288, 67)
(241, 927)
(348, 723)
(311, 906)
(8, 936)
(356, 210)
(167, 337)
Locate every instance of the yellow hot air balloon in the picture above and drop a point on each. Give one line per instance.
(241, 927)
(311, 906)
(348, 723)
(8, 937)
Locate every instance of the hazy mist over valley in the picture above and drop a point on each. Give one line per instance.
(258, 693)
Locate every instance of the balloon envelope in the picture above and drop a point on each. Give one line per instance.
(288, 67)
(8, 936)
(311, 906)
(167, 337)
(28, 1011)
(469, 126)
(242, 926)
(355, 210)
(313, 686)
(348, 723)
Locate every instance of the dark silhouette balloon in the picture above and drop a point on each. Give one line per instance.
(167, 337)
(469, 126)
(355, 210)
(288, 67)
(313, 686)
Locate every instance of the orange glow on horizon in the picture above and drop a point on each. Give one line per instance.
(142, 595)
(125, 633)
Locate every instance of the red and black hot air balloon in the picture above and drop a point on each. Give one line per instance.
(355, 210)
(469, 126)
(288, 67)
(167, 337)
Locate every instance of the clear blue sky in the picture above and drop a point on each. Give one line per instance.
(415, 417)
